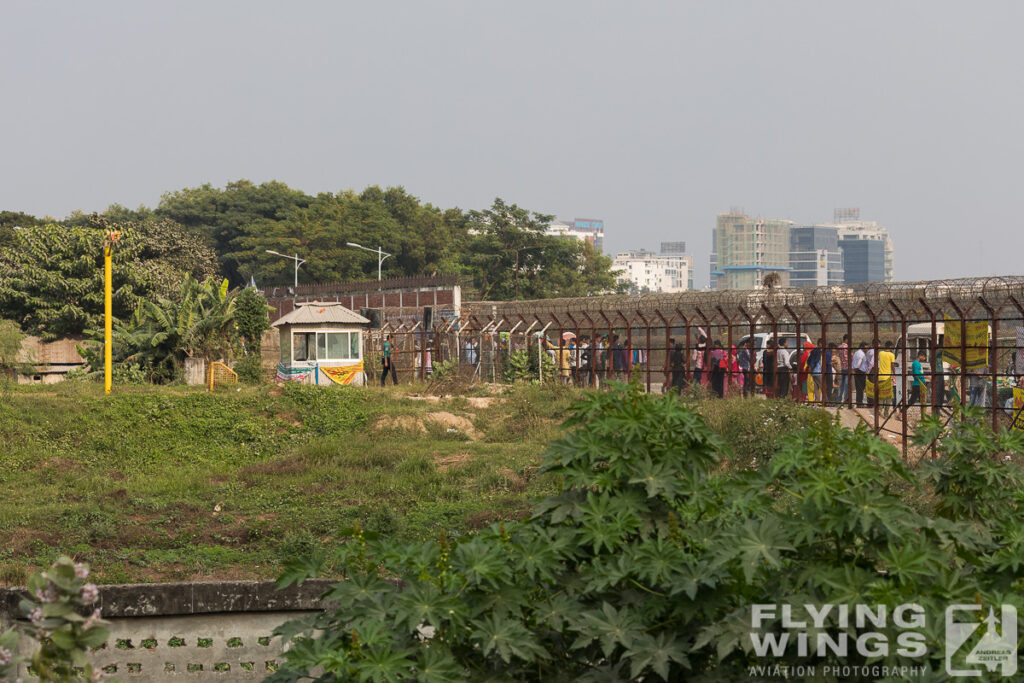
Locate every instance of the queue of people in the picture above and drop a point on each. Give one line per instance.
(827, 374)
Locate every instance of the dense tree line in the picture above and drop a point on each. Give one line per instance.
(51, 270)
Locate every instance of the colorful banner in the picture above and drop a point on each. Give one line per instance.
(1018, 409)
(344, 374)
(286, 374)
(976, 343)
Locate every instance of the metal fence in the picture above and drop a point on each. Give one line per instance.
(969, 334)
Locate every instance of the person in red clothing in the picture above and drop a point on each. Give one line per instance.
(803, 372)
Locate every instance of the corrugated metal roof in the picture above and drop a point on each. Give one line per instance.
(312, 312)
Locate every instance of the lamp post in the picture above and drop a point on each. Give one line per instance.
(381, 255)
(298, 262)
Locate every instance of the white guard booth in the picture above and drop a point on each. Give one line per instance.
(322, 343)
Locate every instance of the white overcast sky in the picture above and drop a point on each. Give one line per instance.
(654, 116)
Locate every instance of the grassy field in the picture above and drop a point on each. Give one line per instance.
(174, 483)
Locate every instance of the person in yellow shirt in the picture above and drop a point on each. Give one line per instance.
(561, 354)
(563, 361)
(886, 359)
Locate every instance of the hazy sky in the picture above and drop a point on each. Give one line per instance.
(652, 116)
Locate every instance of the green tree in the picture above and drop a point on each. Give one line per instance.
(251, 319)
(225, 215)
(511, 257)
(422, 240)
(11, 221)
(11, 337)
(199, 322)
(51, 276)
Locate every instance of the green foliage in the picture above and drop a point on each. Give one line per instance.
(648, 560)
(754, 430)
(244, 220)
(51, 276)
(521, 366)
(11, 222)
(511, 257)
(11, 337)
(252, 319)
(9, 661)
(161, 334)
(58, 598)
(333, 411)
(250, 370)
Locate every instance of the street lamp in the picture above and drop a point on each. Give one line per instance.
(381, 255)
(298, 262)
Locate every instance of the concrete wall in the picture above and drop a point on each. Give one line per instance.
(51, 360)
(195, 371)
(206, 631)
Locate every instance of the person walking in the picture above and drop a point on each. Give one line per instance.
(886, 359)
(744, 361)
(815, 372)
(718, 369)
(574, 362)
(563, 362)
(619, 362)
(677, 365)
(804, 377)
(917, 389)
(699, 353)
(844, 369)
(860, 365)
(733, 367)
(387, 364)
(586, 368)
(600, 360)
(768, 368)
(782, 370)
(832, 370)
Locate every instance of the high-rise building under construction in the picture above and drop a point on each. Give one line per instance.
(744, 250)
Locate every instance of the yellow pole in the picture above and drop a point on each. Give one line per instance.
(108, 326)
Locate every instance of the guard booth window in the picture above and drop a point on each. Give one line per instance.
(325, 346)
(303, 346)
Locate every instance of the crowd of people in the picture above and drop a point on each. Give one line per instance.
(815, 373)
(591, 362)
(826, 374)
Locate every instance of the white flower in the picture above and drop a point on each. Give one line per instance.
(36, 615)
(90, 593)
(81, 571)
(5, 656)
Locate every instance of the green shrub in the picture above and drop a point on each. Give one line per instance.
(250, 370)
(754, 430)
(647, 564)
(521, 366)
(329, 410)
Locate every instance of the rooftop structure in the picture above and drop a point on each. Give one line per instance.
(584, 229)
(646, 271)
